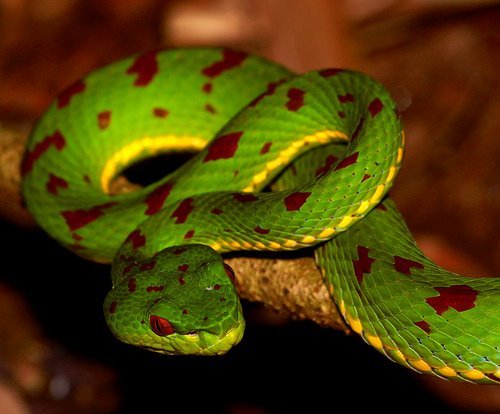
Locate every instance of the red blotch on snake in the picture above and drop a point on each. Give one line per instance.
(424, 326)
(230, 59)
(145, 66)
(132, 285)
(76, 219)
(223, 147)
(161, 326)
(210, 108)
(404, 266)
(156, 198)
(260, 230)
(330, 160)
(244, 197)
(362, 265)
(216, 211)
(458, 297)
(64, 98)
(295, 201)
(154, 288)
(326, 73)
(183, 211)
(348, 97)
(356, 132)
(271, 87)
(295, 99)
(346, 162)
(55, 140)
(55, 183)
(180, 250)
(160, 112)
(375, 107)
(265, 148)
(148, 265)
(189, 234)
(112, 307)
(183, 268)
(365, 177)
(103, 119)
(136, 239)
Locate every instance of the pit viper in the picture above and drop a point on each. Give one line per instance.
(283, 161)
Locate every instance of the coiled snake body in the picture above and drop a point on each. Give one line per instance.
(251, 122)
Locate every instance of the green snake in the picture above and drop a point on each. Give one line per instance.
(283, 162)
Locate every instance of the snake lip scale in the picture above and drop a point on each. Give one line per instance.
(329, 143)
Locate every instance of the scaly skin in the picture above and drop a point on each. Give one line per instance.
(249, 119)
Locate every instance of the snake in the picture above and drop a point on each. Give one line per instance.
(282, 161)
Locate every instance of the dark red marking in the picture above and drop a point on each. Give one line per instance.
(260, 230)
(189, 234)
(223, 147)
(295, 201)
(64, 98)
(156, 198)
(341, 114)
(183, 268)
(112, 307)
(154, 288)
(330, 72)
(76, 237)
(244, 197)
(128, 268)
(76, 219)
(424, 326)
(230, 59)
(180, 250)
(351, 159)
(216, 211)
(356, 132)
(132, 285)
(295, 99)
(56, 139)
(103, 119)
(265, 148)
(181, 281)
(55, 183)
(230, 272)
(148, 266)
(217, 287)
(363, 265)
(183, 211)
(271, 87)
(136, 239)
(375, 107)
(207, 87)
(161, 326)
(404, 266)
(160, 112)
(185, 311)
(330, 160)
(87, 179)
(210, 108)
(365, 177)
(458, 297)
(348, 97)
(145, 66)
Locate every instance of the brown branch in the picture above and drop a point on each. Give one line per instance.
(293, 287)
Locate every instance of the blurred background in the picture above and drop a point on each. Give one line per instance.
(439, 59)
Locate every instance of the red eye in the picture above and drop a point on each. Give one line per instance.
(161, 326)
(230, 272)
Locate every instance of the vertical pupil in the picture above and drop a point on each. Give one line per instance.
(161, 326)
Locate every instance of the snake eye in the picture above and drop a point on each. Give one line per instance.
(161, 326)
(230, 272)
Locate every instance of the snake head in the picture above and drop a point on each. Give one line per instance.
(181, 301)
